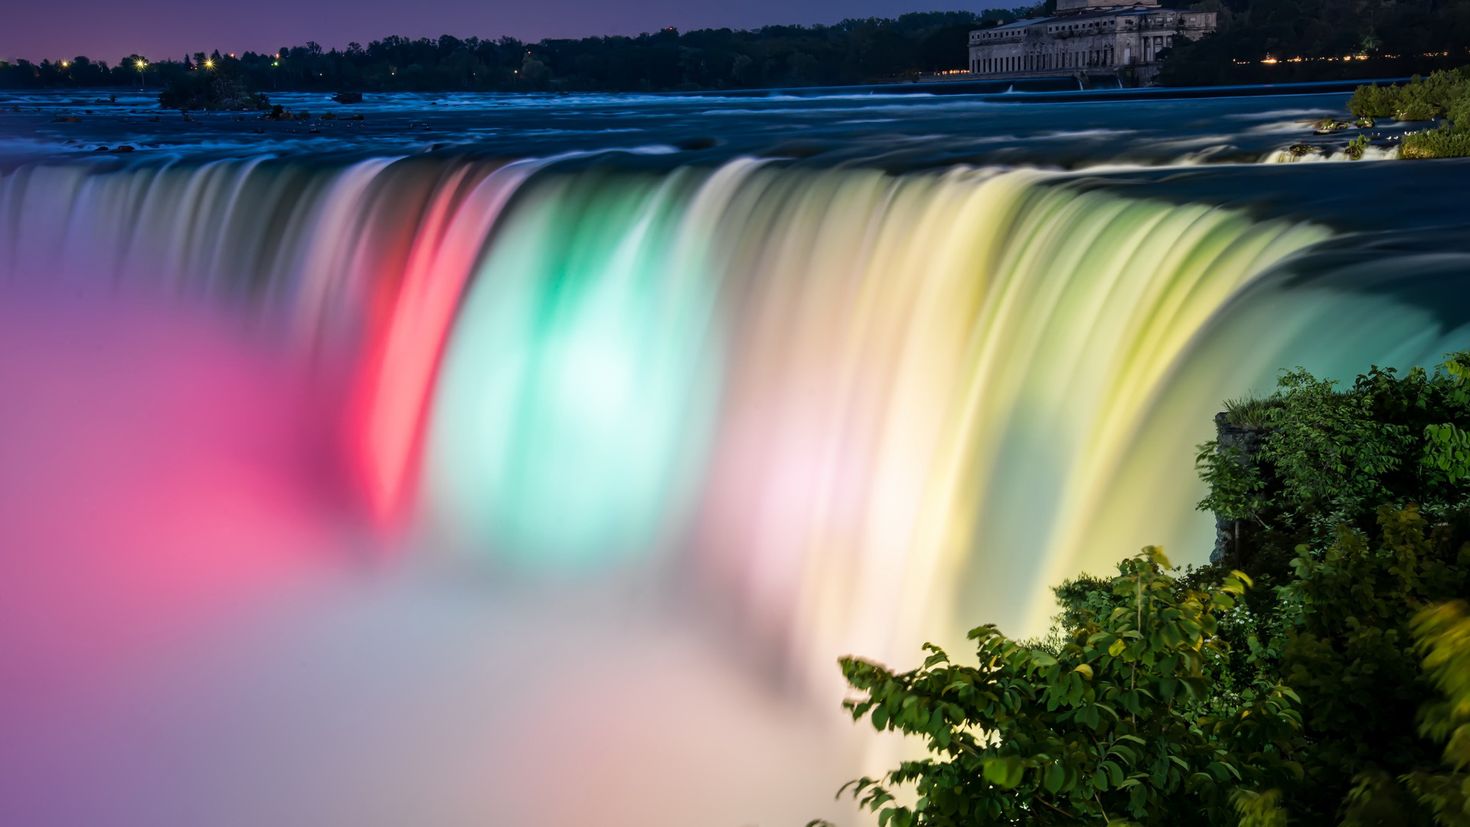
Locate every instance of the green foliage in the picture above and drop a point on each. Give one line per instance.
(1328, 456)
(1356, 147)
(1444, 142)
(1386, 458)
(1351, 657)
(1249, 412)
(1447, 450)
(1330, 452)
(1442, 635)
(1442, 95)
(1336, 690)
(1260, 809)
(1236, 487)
(1121, 724)
(1374, 101)
(1421, 99)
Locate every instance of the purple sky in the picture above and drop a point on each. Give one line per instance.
(109, 29)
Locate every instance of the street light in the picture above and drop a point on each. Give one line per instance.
(209, 63)
(140, 64)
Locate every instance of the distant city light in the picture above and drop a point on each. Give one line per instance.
(66, 64)
(1271, 60)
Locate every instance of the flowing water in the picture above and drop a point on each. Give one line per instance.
(545, 487)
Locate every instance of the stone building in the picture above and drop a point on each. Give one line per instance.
(1104, 38)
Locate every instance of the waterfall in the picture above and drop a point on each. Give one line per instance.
(852, 410)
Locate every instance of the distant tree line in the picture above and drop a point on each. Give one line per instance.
(853, 51)
(1260, 41)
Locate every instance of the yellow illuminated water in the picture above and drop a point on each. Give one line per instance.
(849, 409)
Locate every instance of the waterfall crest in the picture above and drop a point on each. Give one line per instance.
(855, 410)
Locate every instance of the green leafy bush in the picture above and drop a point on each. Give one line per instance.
(1444, 142)
(1421, 99)
(1329, 457)
(1442, 95)
(1335, 690)
(1370, 101)
(1120, 723)
(1442, 635)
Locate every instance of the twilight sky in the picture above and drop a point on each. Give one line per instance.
(109, 29)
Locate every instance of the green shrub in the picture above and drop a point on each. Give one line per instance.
(1443, 142)
(1374, 101)
(1442, 635)
(1421, 99)
(1416, 109)
(1122, 722)
(1166, 698)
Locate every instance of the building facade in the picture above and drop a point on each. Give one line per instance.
(1117, 38)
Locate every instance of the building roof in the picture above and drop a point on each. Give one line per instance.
(1117, 10)
(1069, 7)
(1018, 24)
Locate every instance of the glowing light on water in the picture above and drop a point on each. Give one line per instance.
(419, 304)
(570, 414)
(844, 410)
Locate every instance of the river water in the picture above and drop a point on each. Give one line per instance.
(530, 459)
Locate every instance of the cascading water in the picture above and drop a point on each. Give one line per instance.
(822, 389)
(852, 410)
